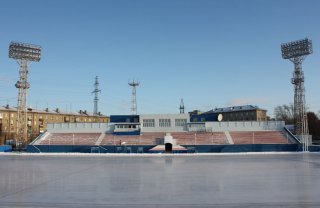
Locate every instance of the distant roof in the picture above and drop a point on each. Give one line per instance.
(48, 111)
(234, 108)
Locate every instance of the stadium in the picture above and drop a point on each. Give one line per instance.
(165, 133)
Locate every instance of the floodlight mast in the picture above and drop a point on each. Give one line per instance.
(296, 52)
(23, 53)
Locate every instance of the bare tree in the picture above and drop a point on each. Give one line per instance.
(285, 113)
(314, 125)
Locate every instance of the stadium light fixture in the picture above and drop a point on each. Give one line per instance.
(23, 51)
(296, 48)
(296, 51)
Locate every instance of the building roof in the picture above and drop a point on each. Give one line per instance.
(234, 108)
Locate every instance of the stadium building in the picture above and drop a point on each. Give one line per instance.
(154, 133)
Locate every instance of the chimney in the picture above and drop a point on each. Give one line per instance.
(57, 110)
(7, 106)
(47, 110)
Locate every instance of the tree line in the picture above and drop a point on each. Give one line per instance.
(286, 113)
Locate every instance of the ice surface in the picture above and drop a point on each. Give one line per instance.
(239, 180)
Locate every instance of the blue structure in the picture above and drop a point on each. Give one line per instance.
(124, 119)
(204, 117)
(190, 148)
(5, 148)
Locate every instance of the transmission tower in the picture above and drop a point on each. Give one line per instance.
(96, 99)
(23, 53)
(181, 107)
(134, 86)
(296, 52)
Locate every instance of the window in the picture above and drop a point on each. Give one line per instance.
(164, 123)
(181, 122)
(148, 122)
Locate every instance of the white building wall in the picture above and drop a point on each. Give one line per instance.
(245, 126)
(209, 126)
(80, 127)
(157, 117)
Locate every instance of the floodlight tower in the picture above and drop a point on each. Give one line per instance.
(134, 86)
(23, 53)
(296, 52)
(96, 99)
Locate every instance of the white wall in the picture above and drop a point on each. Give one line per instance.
(209, 126)
(80, 127)
(157, 128)
(245, 126)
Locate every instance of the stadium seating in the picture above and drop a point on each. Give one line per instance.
(199, 138)
(71, 139)
(143, 139)
(156, 138)
(259, 137)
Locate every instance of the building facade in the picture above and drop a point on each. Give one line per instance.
(234, 113)
(39, 119)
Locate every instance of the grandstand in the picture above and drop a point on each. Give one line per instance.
(182, 138)
(148, 132)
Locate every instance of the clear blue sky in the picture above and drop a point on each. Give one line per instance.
(210, 53)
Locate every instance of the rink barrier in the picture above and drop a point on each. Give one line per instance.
(190, 148)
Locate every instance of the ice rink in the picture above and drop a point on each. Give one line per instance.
(219, 180)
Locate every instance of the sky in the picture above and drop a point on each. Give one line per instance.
(209, 53)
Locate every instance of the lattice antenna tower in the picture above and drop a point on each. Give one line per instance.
(134, 85)
(181, 107)
(96, 92)
(296, 52)
(23, 53)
